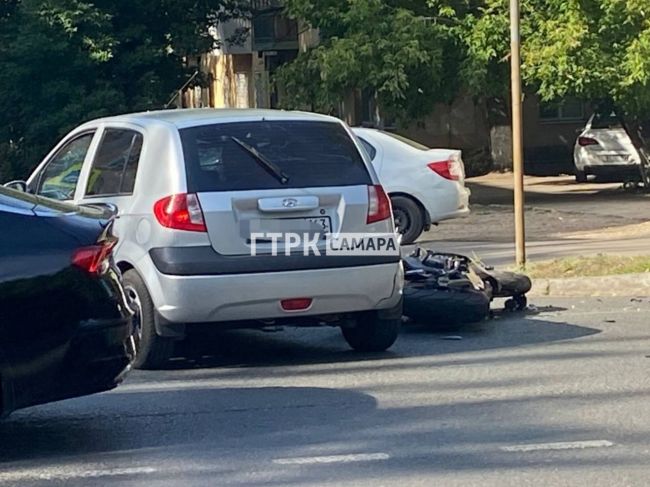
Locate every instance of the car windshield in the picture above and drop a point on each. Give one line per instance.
(262, 154)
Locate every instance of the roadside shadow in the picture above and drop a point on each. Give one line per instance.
(311, 346)
(485, 194)
(119, 420)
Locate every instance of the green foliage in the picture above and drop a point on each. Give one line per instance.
(390, 48)
(66, 61)
(592, 49)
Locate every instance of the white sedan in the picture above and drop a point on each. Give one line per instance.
(425, 185)
(604, 149)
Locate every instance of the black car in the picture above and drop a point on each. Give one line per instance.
(65, 327)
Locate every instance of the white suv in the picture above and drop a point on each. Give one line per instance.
(190, 187)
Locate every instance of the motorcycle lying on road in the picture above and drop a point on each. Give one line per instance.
(453, 288)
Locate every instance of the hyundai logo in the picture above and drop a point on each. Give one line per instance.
(290, 203)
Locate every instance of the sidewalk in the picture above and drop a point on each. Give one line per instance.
(503, 253)
(562, 219)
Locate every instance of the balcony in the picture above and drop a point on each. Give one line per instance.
(259, 6)
(272, 31)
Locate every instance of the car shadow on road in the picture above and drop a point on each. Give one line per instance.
(143, 417)
(242, 349)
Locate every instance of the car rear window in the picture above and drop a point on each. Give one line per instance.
(311, 154)
(606, 121)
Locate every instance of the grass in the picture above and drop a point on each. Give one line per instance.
(600, 265)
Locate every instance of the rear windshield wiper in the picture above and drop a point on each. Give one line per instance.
(266, 164)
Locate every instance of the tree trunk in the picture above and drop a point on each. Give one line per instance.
(639, 134)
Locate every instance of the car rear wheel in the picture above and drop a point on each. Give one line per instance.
(409, 219)
(370, 333)
(152, 350)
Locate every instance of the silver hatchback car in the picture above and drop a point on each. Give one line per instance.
(190, 187)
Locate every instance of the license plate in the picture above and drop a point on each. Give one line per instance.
(323, 223)
(320, 225)
(620, 159)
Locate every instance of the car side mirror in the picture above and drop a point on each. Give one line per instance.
(18, 185)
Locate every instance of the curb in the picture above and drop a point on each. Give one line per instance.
(598, 286)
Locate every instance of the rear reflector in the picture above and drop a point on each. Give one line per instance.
(93, 259)
(296, 304)
(378, 204)
(180, 212)
(450, 169)
(585, 141)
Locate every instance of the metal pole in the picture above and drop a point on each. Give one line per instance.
(517, 135)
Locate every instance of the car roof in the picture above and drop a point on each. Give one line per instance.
(193, 117)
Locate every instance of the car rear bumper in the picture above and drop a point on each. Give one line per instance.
(591, 160)
(616, 172)
(448, 202)
(95, 359)
(256, 296)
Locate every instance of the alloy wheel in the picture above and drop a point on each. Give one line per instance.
(133, 300)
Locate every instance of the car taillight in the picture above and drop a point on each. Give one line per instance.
(451, 169)
(378, 204)
(585, 141)
(180, 212)
(94, 259)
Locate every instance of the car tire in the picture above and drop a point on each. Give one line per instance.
(409, 219)
(581, 176)
(371, 333)
(152, 350)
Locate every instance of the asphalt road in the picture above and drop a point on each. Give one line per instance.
(555, 397)
(502, 254)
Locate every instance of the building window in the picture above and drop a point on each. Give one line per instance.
(569, 110)
(274, 31)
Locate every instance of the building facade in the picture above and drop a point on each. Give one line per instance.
(239, 72)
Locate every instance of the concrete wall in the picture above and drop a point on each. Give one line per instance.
(461, 124)
(548, 144)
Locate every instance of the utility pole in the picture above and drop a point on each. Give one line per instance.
(517, 135)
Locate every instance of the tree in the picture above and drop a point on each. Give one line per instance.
(396, 49)
(596, 50)
(66, 61)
